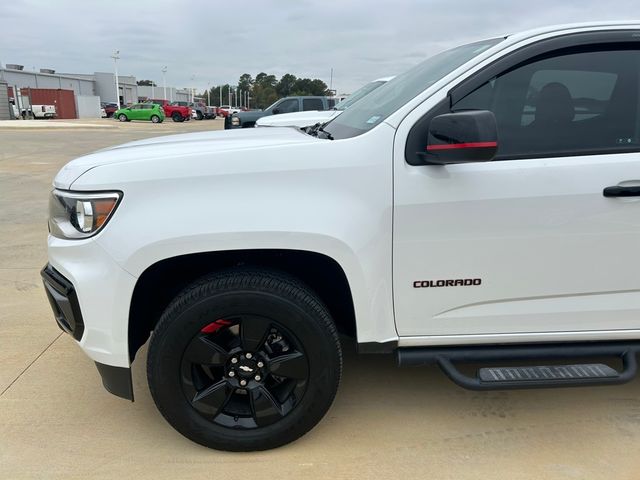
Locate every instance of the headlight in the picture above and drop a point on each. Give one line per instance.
(235, 121)
(76, 215)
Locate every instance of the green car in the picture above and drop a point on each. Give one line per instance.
(140, 111)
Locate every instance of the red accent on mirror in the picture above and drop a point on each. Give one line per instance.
(453, 146)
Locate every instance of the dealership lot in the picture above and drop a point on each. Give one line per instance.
(56, 421)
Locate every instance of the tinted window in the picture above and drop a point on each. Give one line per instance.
(312, 104)
(287, 106)
(566, 104)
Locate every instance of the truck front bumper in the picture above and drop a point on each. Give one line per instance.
(66, 311)
(90, 295)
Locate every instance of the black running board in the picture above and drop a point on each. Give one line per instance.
(543, 376)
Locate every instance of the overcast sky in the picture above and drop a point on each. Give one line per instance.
(218, 41)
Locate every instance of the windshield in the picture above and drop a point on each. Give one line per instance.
(385, 100)
(358, 94)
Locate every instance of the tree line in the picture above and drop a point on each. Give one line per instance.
(265, 89)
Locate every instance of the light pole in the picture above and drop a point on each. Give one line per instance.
(220, 104)
(164, 80)
(208, 94)
(116, 56)
(193, 78)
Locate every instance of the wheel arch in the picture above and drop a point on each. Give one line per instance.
(153, 293)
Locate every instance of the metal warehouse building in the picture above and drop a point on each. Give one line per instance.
(87, 90)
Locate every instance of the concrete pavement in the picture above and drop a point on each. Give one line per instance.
(57, 422)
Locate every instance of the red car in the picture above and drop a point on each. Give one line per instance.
(178, 113)
(109, 108)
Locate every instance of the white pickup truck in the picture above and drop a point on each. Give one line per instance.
(311, 117)
(480, 208)
(39, 111)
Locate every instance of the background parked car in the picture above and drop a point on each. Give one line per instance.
(39, 111)
(178, 113)
(141, 111)
(109, 108)
(308, 118)
(226, 110)
(199, 110)
(284, 105)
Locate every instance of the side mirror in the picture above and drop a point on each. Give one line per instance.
(462, 137)
(276, 111)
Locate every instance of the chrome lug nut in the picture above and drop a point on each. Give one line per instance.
(232, 373)
(243, 382)
(260, 364)
(234, 360)
(249, 355)
(258, 378)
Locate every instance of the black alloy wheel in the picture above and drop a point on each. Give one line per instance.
(245, 372)
(244, 360)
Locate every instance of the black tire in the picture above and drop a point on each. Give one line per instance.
(176, 117)
(270, 315)
(155, 119)
(122, 118)
(199, 115)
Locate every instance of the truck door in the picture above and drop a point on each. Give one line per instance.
(529, 243)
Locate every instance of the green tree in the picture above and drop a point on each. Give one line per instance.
(245, 82)
(146, 83)
(286, 84)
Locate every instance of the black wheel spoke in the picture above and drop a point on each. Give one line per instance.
(253, 332)
(212, 399)
(292, 365)
(203, 351)
(265, 408)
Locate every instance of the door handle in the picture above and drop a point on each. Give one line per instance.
(621, 191)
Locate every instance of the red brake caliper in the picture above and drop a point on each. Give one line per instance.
(215, 326)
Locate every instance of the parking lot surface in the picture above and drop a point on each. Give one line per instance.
(57, 422)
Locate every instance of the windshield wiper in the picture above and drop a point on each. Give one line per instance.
(324, 133)
(317, 130)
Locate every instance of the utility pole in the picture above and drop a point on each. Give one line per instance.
(116, 56)
(229, 95)
(331, 81)
(164, 80)
(220, 104)
(208, 94)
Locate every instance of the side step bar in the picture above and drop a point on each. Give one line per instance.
(543, 376)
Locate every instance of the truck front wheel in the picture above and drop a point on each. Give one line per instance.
(244, 360)
(176, 117)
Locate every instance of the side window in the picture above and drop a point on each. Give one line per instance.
(312, 104)
(566, 104)
(287, 106)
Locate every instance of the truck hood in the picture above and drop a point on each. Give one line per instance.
(181, 147)
(298, 119)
